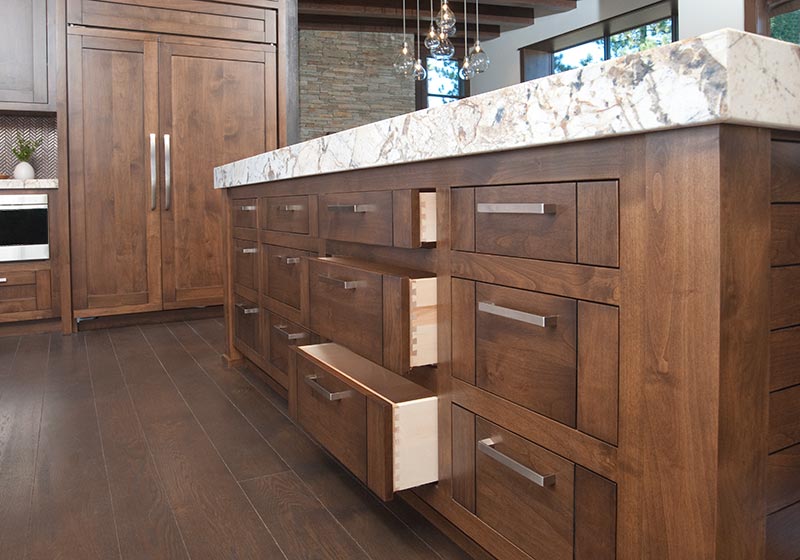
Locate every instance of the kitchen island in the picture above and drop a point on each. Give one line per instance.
(594, 276)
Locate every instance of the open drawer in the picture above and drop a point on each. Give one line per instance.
(387, 314)
(379, 425)
(405, 218)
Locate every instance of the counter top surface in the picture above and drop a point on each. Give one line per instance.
(33, 184)
(723, 77)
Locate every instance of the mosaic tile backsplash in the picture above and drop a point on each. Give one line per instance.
(45, 160)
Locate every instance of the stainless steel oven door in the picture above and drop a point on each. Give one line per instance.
(24, 228)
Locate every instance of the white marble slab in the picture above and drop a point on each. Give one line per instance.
(726, 76)
(16, 184)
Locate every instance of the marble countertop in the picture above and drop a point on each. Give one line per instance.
(16, 184)
(723, 77)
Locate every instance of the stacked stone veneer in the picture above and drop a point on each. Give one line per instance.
(347, 79)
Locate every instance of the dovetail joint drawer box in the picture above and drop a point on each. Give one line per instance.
(380, 426)
(617, 336)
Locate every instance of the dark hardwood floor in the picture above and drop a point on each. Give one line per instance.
(137, 443)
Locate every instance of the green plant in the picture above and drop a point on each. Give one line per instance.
(25, 148)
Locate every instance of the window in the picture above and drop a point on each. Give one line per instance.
(443, 84)
(629, 33)
(784, 20)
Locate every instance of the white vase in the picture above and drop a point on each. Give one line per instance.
(24, 171)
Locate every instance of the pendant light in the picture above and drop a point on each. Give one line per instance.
(446, 20)
(479, 60)
(419, 72)
(404, 62)
(467, 72)
(432, 40)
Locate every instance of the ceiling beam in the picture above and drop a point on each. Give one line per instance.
(378, 25)
(502, 16)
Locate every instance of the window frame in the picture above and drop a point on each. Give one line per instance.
(422, 94)
(541, 54)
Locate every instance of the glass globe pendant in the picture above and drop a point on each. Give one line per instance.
(445, 49)
(432, 39)
(446, 20)
(404, 61)
(466, 72)
(479, 60)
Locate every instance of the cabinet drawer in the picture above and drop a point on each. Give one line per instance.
(566, 222)
(527, 347)
(245, 264)
(334, 414)
(198, 18)
(290, 214)
(364, 217)
(386, 314)
(245, 213)
(405, 218)
(246, 324)
(278, 337)
(544, 504)
(282, 274)
(25, 291)
(381, 426)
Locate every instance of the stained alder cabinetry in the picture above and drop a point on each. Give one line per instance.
(27, 56)
(150, 116)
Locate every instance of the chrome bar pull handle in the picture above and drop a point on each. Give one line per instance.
(247, 310)
(542, 321)
(249, 250)
(247, 208)
(153, 173)
(486, 446)
(284, 330)
(343, 284)
(539, 208)
(3, 280)
(168, 171)
(311, 381)
(288, 260)
(290, 208)
(352, 208)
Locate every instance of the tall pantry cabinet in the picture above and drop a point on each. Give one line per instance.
(150, 116)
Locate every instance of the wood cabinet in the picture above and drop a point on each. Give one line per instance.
(641, 343)
(150, 117)
(27, 55)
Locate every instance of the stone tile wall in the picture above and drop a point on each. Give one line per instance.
(347, 79)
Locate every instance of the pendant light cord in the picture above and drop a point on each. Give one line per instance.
(419, 48)
(477, 22)
(466, 32)
(404, 21)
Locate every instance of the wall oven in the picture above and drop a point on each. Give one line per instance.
(24, 228)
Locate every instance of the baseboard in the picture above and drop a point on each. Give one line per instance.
(171, 316)
(30, 327)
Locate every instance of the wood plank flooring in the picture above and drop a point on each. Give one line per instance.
(137, 443)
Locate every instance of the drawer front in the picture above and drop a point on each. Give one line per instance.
(18, 292)
(245, 263)
(280, 336)
(532, 221)
(200, 18)
(290, 214)
(525, 349)
(246, 324)
(358, 217)
(334, 414)
(283, 274)
(245, 213)
(536, 515)
(346, 306)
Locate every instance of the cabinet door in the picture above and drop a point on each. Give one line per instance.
(113, 111)
(26, 82)
(217, 105)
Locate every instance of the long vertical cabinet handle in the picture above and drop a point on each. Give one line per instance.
(153, 174)
(168, 171)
